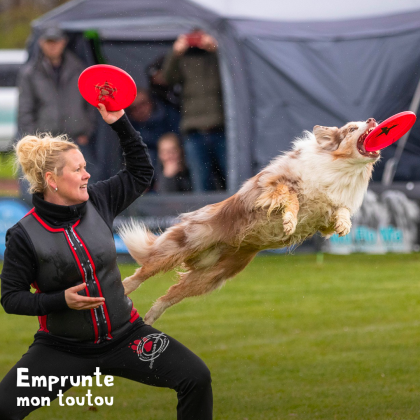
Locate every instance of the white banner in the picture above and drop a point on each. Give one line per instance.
(388, 223)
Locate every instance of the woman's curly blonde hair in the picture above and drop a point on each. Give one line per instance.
(39, 154)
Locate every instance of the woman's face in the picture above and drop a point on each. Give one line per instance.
(72, 183)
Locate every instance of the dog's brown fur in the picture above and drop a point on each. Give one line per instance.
(315, 187)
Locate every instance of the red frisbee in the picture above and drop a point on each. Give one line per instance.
(108, 85)
(389, 131)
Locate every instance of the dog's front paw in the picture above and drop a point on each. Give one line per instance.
(342, 227)
(289, 223)
(129, 286)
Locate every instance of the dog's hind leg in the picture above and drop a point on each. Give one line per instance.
(159, 260)
(140, 275)
(201, 280)
(166, 253)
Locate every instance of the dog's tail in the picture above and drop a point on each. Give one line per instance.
(138, 239)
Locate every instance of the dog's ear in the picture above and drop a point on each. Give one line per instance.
(327, 137)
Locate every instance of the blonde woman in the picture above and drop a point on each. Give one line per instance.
(64, 248)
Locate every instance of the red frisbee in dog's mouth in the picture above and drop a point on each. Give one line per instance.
(361, 144)
(109, 85)
(389, 131)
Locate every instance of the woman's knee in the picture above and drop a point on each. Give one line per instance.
(197, 377)
(203, 375)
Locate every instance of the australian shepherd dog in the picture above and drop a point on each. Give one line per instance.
(316, 186)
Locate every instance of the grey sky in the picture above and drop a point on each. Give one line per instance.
(309, 9)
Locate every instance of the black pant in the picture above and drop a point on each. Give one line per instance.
(147, 356)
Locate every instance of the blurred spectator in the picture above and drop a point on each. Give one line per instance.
(170, 95)
(149, 116)
(49, 99)
(173, 175)
(193, 63)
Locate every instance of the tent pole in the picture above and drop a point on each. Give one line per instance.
(392, 163)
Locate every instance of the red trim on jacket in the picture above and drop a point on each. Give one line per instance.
(92, 311)
(108, 321)
(42, 319)
(134, 314)
(44, 224)
(29, 212)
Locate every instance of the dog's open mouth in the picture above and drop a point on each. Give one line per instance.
(361, 145)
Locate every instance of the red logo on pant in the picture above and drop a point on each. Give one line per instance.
(150, 347)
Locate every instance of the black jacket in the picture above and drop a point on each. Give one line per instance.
(109, 198)
(50, 105)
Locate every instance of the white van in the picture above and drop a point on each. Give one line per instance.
(10, 63)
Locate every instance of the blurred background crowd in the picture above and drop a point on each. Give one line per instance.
(179, 110)
(218, 95)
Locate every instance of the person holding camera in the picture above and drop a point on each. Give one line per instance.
(48, 96)
(193, 63)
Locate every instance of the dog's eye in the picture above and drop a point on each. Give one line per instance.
(352, 129)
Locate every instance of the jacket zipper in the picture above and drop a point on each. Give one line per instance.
(99, 318)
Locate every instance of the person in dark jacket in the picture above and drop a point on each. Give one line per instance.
(158, 86)
(49, 99)
(64, 248)
(152, 118)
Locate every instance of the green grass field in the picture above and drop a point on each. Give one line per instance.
(6, 166)
(287, 339)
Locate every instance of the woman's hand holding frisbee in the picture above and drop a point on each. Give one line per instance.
(109, 116)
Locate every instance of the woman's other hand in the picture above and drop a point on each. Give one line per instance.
(78, 302)
(109, 117)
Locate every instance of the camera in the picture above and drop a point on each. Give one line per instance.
(194, 38)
